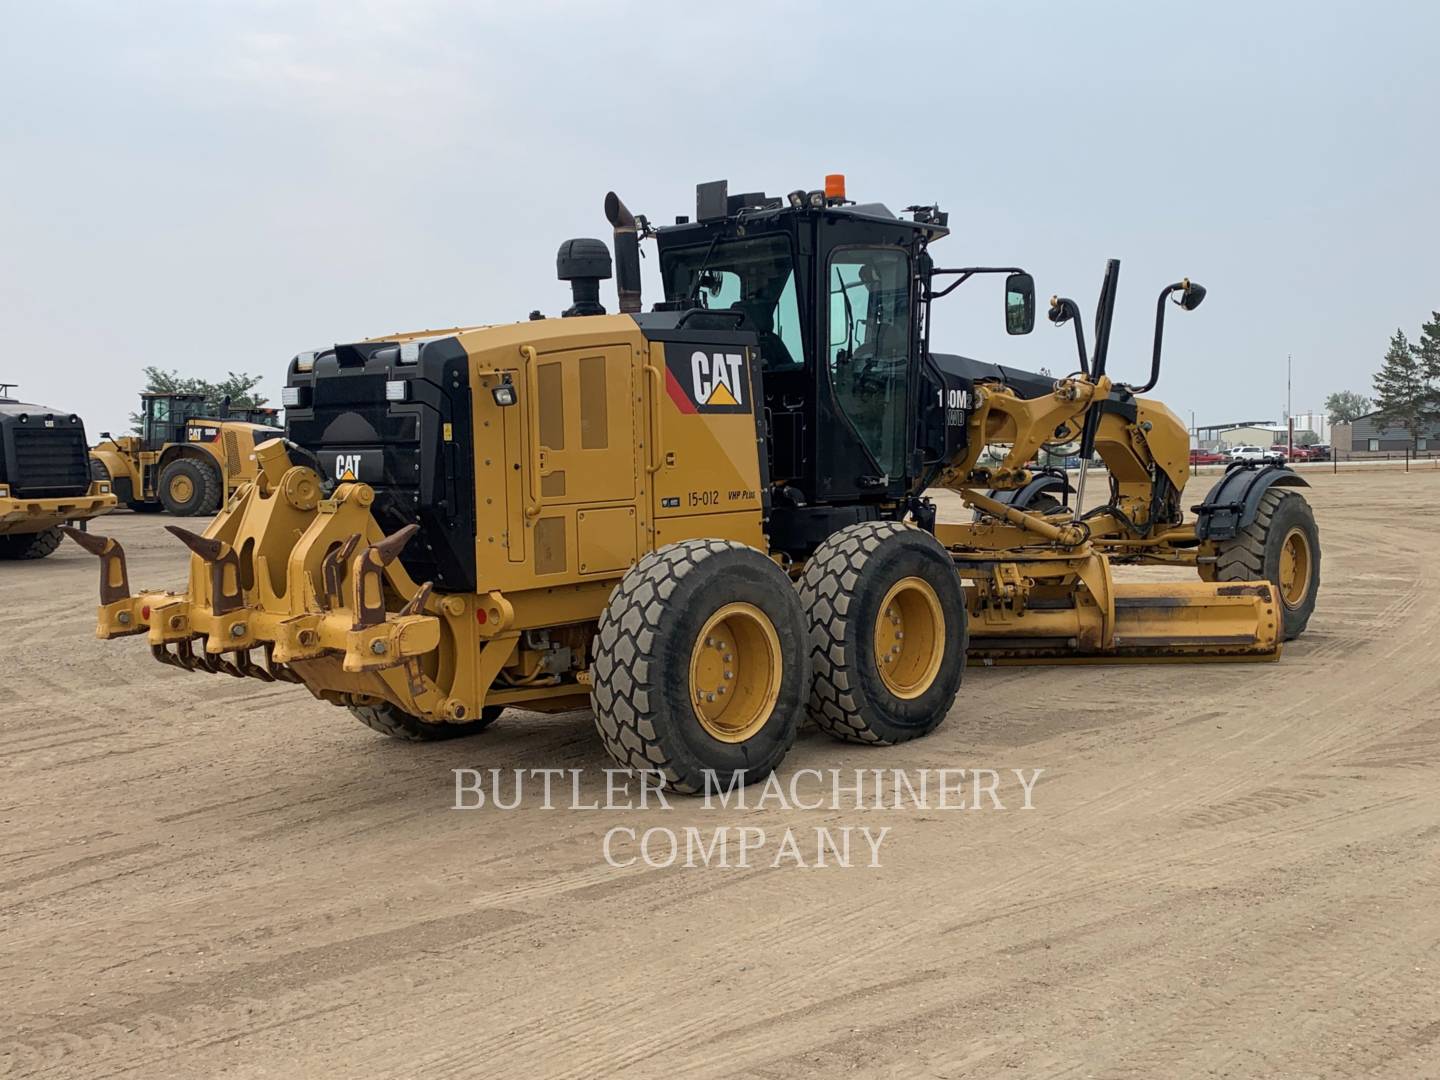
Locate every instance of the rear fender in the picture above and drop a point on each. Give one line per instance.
(1234, 501)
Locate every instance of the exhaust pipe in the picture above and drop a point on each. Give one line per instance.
(627, 253)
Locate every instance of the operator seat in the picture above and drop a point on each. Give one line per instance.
(773, 352)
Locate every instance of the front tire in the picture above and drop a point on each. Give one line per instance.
(390, 719)
(1281, 546)
(30, 545)
(699, 668)
(189, 487)
(888, 632)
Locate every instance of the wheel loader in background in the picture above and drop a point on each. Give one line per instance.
(44, 482)
(188, 456)
(708, 519)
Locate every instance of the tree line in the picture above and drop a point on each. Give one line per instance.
(1406, 388)
(238, 389)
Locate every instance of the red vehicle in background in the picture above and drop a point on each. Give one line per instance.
(1207, 457)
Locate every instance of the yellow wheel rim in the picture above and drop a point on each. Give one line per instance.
(735, 672)
(181, 488)
(1295, 563)
(909, 638)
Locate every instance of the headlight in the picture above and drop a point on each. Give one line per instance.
(4, 491)
(504, 394)
(397, 390)
(104, 489)
(294, 397)
(305, 361)
(410, 352)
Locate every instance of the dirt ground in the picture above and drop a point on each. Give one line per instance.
(1228, 870)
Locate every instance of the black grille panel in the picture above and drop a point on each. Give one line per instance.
(416, 454)
(47, 462)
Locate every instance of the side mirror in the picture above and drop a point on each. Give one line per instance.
(1019, 304)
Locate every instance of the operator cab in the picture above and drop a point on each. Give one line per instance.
(830, 290)
(837, 295)
(164, 417)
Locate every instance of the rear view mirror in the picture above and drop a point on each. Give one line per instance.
(1019, 304)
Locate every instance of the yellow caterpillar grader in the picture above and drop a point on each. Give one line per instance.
(709, 519)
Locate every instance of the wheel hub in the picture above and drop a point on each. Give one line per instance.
(909, 637)
(181, 488)
(735, 672)
(1295, 564)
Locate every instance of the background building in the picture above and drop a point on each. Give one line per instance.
(1370, 433)
(1252, 435)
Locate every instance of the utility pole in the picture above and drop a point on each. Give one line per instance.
(1289, 411)
(1288, 366)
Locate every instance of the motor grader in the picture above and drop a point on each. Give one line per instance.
(188, 456)
(707, 520)
(43, 479)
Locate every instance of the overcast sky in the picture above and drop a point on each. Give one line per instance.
(216, 186)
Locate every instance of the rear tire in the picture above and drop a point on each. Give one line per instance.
(391, 720)
(882, 583)
(30, 545)
(189, 487)
(699, 667)
(1281, 546)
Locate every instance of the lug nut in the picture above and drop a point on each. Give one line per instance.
(720, 690)
(729, 675)
(728, 658)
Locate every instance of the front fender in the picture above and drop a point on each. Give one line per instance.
(1234, 501)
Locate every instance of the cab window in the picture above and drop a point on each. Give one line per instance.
(868, 351)
(756, 276)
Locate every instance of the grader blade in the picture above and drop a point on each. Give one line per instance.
(1162, 622)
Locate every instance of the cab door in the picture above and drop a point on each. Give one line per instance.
(867, 359)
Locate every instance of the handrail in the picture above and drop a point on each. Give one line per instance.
(532, 406)
(657, 402)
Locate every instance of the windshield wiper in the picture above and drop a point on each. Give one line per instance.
(699, 275)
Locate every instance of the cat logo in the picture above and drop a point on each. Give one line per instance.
(347, 466)
(708, 380)
(716, 378)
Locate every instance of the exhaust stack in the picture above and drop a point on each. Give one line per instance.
(627, 253)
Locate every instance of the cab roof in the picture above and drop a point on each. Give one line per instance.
(714, 205)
